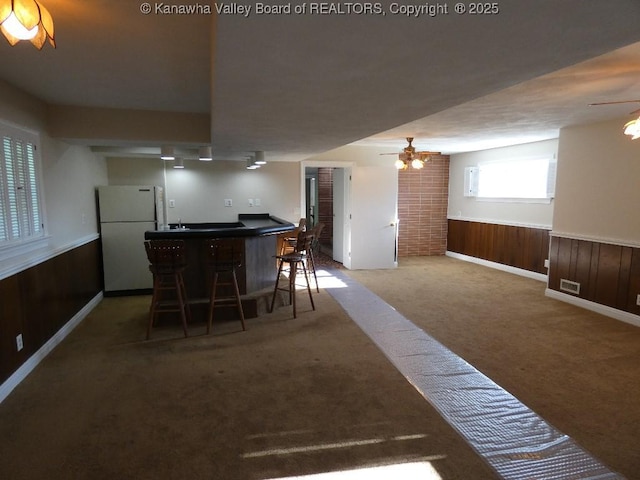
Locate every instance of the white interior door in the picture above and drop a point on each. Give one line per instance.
(342, 215)
(374, 193)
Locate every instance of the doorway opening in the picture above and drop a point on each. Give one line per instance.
(319, 204)
(326, 201)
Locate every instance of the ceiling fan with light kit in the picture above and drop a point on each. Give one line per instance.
(409, 156)
(631, 128)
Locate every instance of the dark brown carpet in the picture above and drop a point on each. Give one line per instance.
(577, 369)
(107, 405)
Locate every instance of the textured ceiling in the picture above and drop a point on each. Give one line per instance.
(299, 85)
(533, 110)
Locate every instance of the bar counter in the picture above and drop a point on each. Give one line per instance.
(257, 236)
(248, 225)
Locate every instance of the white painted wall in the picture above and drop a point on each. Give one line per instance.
(136, 171)
(469, 208)
(69, 176)
(598, 184)
(199, 190)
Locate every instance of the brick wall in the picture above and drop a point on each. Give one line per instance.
(422, 208)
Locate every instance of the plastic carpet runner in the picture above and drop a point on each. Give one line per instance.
(514, 440)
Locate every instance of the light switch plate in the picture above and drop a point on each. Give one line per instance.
(228, 202)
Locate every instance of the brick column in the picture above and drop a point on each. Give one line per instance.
(423, 197)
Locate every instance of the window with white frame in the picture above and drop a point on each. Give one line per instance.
(20, 202)
(517, 179)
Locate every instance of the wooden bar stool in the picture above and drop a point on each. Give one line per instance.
(167, 261)
(294, 261)
(315, 244)
(223, 258)
(289, 241)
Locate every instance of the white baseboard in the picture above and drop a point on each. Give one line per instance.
(563, 297)
(594, 307)
(499, 266)
(27, 367)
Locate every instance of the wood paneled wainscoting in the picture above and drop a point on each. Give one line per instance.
(607, 274)
(525, 248)
(39, 301)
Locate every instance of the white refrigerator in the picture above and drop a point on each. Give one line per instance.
(126, 212)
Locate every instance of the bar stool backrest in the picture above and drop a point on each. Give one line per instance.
(304, 241)
(224, 254)
(317, 231)
(166, 255)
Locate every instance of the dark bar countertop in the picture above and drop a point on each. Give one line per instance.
(248, 225)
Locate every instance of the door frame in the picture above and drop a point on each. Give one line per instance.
(346, 240)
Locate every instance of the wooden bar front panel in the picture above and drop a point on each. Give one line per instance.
(258, 268)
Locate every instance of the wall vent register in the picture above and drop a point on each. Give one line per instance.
(569, 286)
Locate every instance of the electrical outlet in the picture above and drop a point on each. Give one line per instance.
(256, 202)
(19, 343)
(638, 300)
(228, 202)
(172, 203)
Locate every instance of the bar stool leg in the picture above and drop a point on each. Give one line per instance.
(212, 301)
(293, 267)
(181, 302)
(184, 297)
(306, 276)
(152, 307)
(275, 290)
(312, 268)
(238, 300)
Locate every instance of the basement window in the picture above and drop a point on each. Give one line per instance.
(517, 180)
(20, 200)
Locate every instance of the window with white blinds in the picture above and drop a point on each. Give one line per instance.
(20, 209)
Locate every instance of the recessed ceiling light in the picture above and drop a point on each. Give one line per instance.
(205, 154)
(167, 153)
